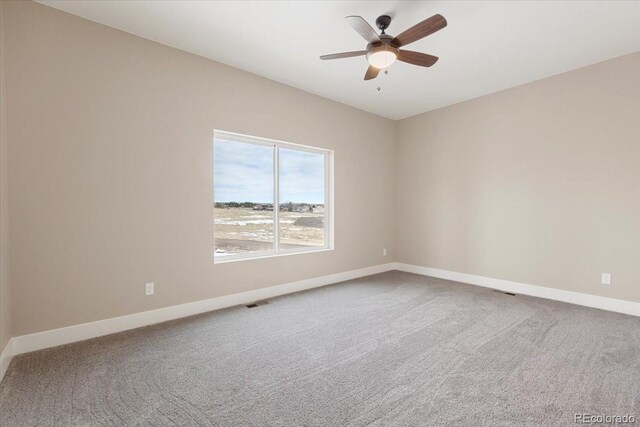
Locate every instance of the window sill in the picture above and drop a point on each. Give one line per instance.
(236, 258)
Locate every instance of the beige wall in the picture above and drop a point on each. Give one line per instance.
(5, 306)
(110, 163)
(537, 184)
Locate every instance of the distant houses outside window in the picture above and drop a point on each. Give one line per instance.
(270, 197)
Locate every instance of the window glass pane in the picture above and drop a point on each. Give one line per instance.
(302, 199)
(243, 196)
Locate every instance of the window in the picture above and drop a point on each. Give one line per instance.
(270, 197)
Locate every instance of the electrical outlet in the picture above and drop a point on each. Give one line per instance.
(606, 278)
(148, 289)
(384, 252)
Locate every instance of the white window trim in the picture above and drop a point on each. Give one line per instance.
(328, 198)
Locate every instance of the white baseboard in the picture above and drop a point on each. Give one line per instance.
(5, 358)
(69, 334)
(594, 301)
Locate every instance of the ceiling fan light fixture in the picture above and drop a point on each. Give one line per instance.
(382, 58)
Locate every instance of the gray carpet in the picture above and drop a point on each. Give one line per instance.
(390, 349)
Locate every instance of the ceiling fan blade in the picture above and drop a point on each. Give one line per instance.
(344, 54)
(363, 28)
(417, 58)
(421, 30)
(372, 73)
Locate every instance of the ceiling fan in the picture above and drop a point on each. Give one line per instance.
(383, 49)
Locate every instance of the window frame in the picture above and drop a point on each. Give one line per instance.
(328, 196)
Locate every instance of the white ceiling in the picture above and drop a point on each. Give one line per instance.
(487, 46)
